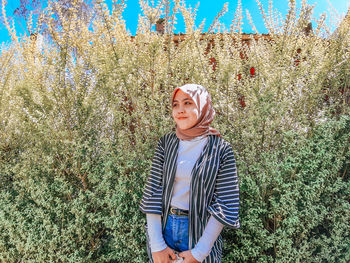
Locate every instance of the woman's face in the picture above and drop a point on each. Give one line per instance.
(185, 112)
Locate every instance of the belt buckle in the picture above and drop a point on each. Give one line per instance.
(172, 211)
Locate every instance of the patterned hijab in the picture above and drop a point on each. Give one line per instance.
(206, 113)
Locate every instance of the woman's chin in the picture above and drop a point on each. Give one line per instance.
(183, 127)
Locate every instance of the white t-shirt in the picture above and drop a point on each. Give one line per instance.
(189, 152)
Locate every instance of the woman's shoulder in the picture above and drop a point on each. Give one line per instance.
(219, 140)
(220, 143)
(168, 138)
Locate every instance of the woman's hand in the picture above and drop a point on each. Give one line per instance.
(164, 256)
(187, 256)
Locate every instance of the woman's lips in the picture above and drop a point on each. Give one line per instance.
(181, 118)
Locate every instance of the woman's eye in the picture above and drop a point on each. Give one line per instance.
(188, 103)
(174, 105)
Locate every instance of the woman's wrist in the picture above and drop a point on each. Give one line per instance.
(156, 247)
(198, 255)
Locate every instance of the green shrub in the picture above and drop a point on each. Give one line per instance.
(295, 201)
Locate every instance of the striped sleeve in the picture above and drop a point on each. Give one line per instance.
(225, 202)
(151, 201)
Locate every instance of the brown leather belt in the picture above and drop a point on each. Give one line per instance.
(178, 212)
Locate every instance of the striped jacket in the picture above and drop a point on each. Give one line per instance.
(213, 190)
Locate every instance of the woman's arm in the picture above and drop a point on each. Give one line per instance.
(205, 243)
(207, 240)
(151, 205)
(154, 229)
(224, 205)
(160, 251)
(151, 201)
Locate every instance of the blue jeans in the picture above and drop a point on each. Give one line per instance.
(176, 232)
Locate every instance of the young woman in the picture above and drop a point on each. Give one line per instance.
(192, 191)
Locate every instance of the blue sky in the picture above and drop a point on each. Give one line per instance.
(208, 9)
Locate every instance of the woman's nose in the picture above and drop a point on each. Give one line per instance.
(181, 109)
